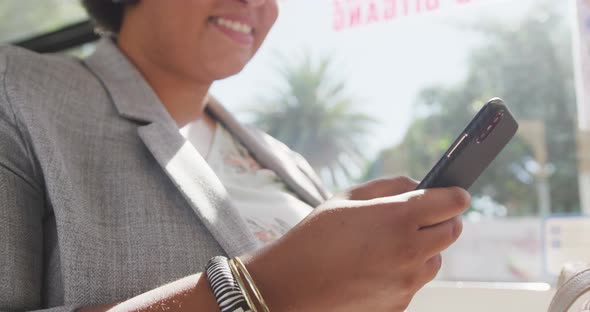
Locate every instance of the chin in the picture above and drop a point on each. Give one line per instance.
(227, 69)
(219, 75)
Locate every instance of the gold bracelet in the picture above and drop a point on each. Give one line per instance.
(238, 277)
(242, 268)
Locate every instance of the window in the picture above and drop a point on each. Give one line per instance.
(23, 19)
(370, 88)
(383, 87)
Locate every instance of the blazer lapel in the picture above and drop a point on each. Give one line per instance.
(274, 155)
(200, 186)
(135, 100)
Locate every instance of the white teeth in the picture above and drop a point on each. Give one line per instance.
(234, 25)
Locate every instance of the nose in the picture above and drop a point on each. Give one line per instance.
(253, 2)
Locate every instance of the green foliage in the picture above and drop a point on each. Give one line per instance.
(529, 66)
(313, 115)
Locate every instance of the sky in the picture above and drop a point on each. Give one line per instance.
(385, 64)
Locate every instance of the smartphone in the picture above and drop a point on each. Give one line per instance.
(475, 148)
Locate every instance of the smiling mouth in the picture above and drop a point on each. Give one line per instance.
(236, 26)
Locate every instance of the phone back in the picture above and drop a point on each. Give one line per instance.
(475, 148)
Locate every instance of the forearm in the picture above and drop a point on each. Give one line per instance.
(191, 293)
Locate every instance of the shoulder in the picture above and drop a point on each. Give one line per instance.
(41, 85)
(19, 64)
(27, 74)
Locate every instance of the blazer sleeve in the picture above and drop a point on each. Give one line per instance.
(23, 207)
(21, 214)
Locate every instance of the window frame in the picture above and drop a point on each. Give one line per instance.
(65, 38)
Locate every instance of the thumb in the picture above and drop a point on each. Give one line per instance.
(384, 187)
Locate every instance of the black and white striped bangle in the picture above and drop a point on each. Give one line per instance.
(225, 288)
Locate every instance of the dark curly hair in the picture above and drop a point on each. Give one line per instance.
(107, 14)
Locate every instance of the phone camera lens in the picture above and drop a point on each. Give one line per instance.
(487, 130)
(498, 118)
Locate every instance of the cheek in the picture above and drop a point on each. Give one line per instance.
(269, 17)
(274, 11)
(273, 14)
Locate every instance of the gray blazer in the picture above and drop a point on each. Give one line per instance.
(101, 198)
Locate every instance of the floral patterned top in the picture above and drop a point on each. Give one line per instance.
(269, 208)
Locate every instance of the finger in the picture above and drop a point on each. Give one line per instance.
(433, 206)
(422, 274)
(434, 239)
(431, 268)
(384, 187)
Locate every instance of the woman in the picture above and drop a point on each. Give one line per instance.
(119, 174)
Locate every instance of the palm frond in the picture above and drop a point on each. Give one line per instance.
(312, 113)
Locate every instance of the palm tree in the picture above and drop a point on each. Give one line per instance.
(313, 115)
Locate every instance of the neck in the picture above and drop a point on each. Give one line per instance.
(185, 99)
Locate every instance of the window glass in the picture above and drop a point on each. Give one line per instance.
(21, 19)
(372, 88)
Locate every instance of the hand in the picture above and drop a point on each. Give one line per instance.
(370, 249)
